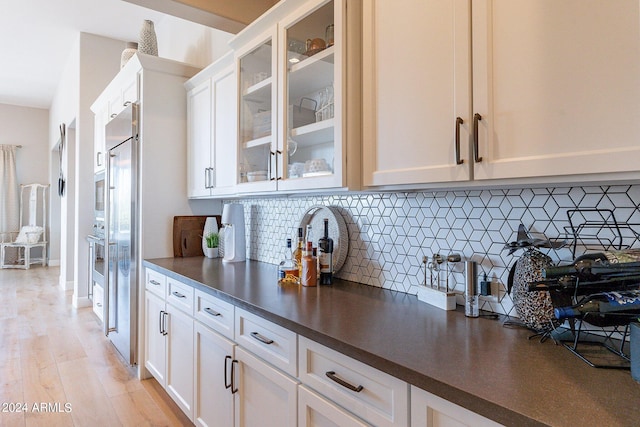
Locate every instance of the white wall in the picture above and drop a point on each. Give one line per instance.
(93, 63)
(63, 110)
(27, 127)
(189, 42)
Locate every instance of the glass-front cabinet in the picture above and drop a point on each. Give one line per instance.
(292, 92)
(312, 98)
(257, 150)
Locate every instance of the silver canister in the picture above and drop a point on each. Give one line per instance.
(471, 289)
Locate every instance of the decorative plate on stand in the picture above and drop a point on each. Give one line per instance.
(315, 216)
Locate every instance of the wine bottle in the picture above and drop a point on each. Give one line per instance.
(592, 266)
(605, 302)
(288, 272)
(325, 245)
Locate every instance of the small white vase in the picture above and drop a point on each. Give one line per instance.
(210, 226)
(147, 42)
(127, 53)
(211, 252)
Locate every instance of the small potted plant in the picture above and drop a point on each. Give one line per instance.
(212, 239)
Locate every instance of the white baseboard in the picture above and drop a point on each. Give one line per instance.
(80, 302)
(54, 263)
(66, 286)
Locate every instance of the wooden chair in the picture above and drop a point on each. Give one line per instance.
(32, 235)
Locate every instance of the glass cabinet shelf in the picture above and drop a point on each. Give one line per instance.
(314, 133)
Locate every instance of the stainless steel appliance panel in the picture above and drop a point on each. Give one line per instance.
(121, 284)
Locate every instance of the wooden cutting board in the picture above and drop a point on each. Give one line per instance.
(187, 234)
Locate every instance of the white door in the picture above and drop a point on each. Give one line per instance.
(225, 122)
(557, 86)
(199, 137)
(265, 396)
(155, 339)
(416, 91)
(180, 359)
(213, 400)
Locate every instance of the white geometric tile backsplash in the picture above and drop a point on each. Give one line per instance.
(389, 233)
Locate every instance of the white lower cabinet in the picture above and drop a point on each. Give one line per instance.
(213, 405)
(169, 338)
(317, 411)
(155, 339)
(428, 410)
(265, 396)
(378, 398)
(227, 367)
(180, 359)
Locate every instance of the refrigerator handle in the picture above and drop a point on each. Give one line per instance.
(106, 306)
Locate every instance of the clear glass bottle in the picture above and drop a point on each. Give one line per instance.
(297, 253)
(288, 271)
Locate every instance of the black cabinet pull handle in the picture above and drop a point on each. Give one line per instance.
(164, 323)
(153, 282)
(227, 383)
(178, 294)
(212, 312)
(234, 389)
(332, 376)
(476, 118)
(459, 122)
(261, 338)
(160, 321)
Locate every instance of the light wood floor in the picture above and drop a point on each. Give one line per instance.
(58, 369)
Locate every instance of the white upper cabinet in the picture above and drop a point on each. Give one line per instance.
(212, 125)
(299, 98)
(416, 97)
(257, 113)
(557, 85)
(552, 90)
(199, 139)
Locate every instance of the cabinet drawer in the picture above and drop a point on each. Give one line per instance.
(156, 283)
(215, 313)
(180, 295)
(273, 343)
(98, 300)
(376, 397)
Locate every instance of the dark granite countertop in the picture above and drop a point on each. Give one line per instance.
(479, 364)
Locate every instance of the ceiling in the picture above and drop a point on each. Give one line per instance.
(37, 36)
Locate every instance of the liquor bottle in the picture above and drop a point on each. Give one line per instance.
(325, 259)
(297, 253)
(621, 302)
(288, 272)
(593, 266)
(309, 267)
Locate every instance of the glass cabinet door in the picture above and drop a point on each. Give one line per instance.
(312, 96)
(256, 157)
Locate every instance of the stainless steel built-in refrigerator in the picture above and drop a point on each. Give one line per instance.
(121, 281)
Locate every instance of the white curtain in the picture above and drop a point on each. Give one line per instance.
(9, 193)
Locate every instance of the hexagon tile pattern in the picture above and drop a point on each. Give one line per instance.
(389, 233)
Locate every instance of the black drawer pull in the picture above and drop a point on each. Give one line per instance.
(261, 338)
(178, 294)
(212, 311)
(332, 376)
(153, 282)
(227, 383)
